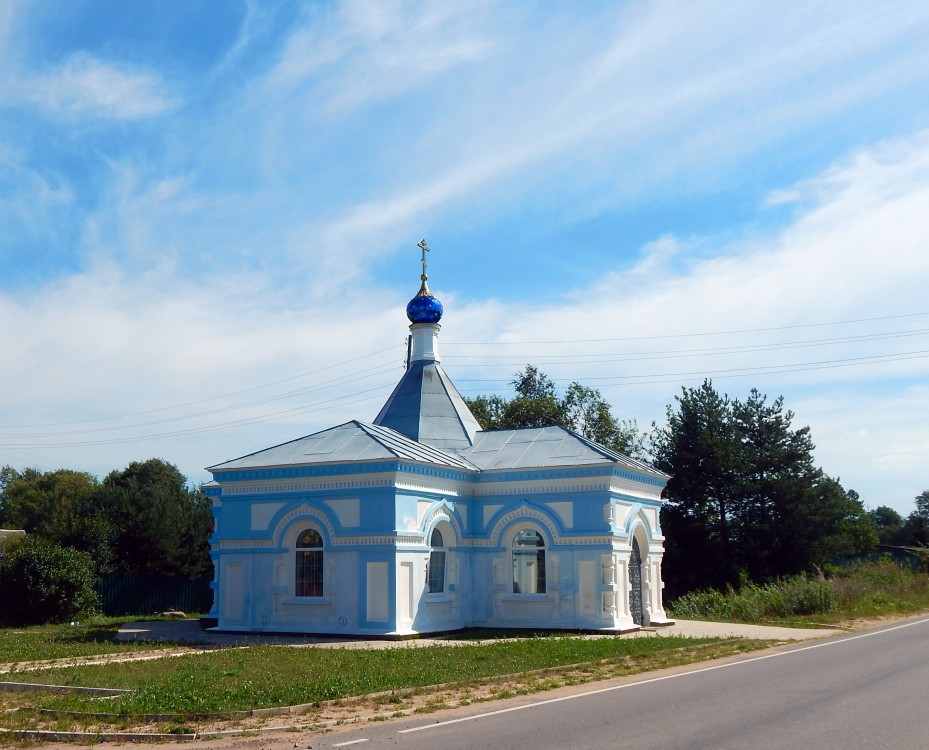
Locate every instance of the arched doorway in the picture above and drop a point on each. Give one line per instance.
(635, 584)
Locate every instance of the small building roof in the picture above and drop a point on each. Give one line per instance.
(426, 420)
(426, 407)
(352, 441)
(535, 447)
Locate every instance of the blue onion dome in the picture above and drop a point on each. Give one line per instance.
(424, 308)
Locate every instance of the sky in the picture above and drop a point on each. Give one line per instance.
(210, 214)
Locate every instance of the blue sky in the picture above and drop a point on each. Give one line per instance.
(210, 214)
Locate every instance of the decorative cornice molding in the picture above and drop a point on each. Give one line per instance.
(277, 487)
(244, 544)
(426, 489)
(392, 539)
(561, 542)
(412, 477)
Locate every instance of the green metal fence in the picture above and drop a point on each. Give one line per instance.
(141, 594)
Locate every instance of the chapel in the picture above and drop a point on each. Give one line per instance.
(422, 522)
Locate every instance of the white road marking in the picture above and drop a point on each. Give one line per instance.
(350, 742)
(660, 679)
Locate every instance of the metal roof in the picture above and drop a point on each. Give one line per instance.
(544, 447)
(352, 441)
(426, 407)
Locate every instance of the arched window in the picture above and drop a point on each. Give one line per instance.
(528, 562)
(436, 573)
(308, 572)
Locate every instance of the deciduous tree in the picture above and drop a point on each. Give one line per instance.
(537, 404)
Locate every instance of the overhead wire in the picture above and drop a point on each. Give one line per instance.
(690, 335)
(12, 441)
(204, 400)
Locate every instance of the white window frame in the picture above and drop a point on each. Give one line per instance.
(529, 577)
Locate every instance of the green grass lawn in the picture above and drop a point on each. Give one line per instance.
(267, 676)
(41, 642)
(241, 679)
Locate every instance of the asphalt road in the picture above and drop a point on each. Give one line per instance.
(866, 690)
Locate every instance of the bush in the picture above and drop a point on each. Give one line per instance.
(788, 597)
(41, 582)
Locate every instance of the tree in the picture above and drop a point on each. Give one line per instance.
(699, 449)
(745, 496)
(589, 414)
(42, 503)
(922, 504)
(915, 530)
(47, 582)
(164, 527)
(537, 404)
(141, 519)
(889, 525)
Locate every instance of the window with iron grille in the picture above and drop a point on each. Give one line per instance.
(436, 574)
(309, 564)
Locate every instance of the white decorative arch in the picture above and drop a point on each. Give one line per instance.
(304, 511)
(638, 519)
(442, 513)
(525, 512)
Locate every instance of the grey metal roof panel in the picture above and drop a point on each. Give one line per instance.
(426, 407)
(352, 441)
(543, 447)
(412, 450)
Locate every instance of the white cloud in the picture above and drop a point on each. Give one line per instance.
(84, 86)
(238, 246)
(372, 51)
(855, 251)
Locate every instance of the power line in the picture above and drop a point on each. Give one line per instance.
(691, 335)
(9, 441)
(320, 406)
(374, 372)
(740, 372)
(678, 353)
(203, 400)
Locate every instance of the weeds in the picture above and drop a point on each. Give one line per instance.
(859, 590)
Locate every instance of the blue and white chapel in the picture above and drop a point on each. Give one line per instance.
(422, 522)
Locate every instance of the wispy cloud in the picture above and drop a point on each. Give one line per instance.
(587, 171)
(85, 86)
(373, 51)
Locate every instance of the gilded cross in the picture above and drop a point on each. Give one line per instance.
(422, 245)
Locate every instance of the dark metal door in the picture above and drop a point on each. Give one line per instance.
(635, 584)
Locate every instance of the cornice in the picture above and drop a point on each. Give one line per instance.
(281, 486)
(397, 540)
(417, 540)
(413, 477)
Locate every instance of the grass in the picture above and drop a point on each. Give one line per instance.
(40, 642)
(185, 688)
(269, 676)
(864, 589)
(879, 589)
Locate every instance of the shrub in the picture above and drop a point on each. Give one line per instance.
(41, 582)
(787, 597)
